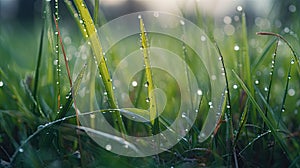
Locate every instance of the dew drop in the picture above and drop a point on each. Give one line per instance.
(105, 93)
(21, 150)
(40, 127)
(236, 48)
(256, 82)
(228, 106)
(292, 62)
(203, 38)
(1, 84)
(134, 83)
(266, 89)
(108, 147)
(147, 99)
(286, 30)
(183, 115)
(235, 86)
(283, 110)
(199, 92)
(139, 16)
(182, 22)
(146, 84)
(156, 14)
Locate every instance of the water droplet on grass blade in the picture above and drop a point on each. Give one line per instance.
(156, 14)
(1, 84)
(108, 147)
(235, 86)
(256, 82)
(146, 84)
(292, 62)
(21, 150)
(199, 92)
(182, 22)
(134, 83)
(236, 48)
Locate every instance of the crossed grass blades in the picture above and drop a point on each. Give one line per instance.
(39, 126)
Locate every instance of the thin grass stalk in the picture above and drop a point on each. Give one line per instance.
(285, 94)
(94, 41)
(246, 63)
(228, 113)
(57, 61)
(148, 70)
(96, 11)
(271, 79)
(63, 50)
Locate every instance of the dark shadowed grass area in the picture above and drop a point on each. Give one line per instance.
(39, 126)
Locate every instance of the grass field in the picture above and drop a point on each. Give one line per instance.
(59, 75)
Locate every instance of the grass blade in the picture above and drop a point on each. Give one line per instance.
(37, 70)
(100, 61)
(149, 83)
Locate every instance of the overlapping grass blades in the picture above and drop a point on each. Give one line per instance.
(92, 37)
(270, 122)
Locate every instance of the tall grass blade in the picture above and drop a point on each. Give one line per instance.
(93, 38)
(149, 83)
(246, 70)
(271, 77)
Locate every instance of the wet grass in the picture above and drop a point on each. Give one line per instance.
(258, 126)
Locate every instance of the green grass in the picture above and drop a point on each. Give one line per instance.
(39, 124)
